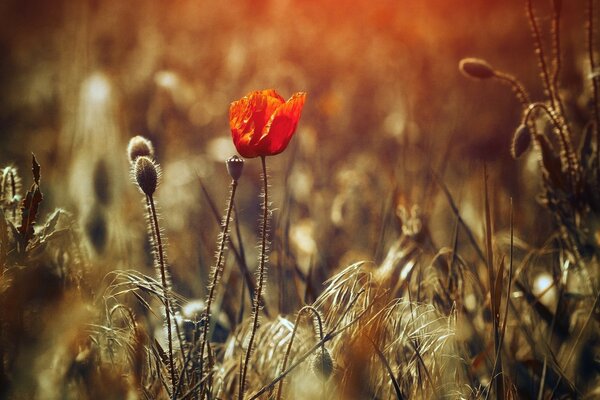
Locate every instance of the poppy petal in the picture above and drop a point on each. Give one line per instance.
(280, 128)
(242, 126)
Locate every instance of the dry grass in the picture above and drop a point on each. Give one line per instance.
(406, 255)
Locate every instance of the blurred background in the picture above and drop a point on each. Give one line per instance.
(387, 110)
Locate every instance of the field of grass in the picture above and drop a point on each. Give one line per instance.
(432, 229)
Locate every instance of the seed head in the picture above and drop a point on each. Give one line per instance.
(476, 68)
(235, 165)
(322, 364)
(521, 141)
(146, 174)
(139, 146)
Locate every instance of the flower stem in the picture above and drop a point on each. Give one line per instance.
(289, 347)
(163, 276)
(260, 281)
(216, 273)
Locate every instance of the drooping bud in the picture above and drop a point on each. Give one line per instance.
(476, 68)
(521, 141)
(235, 165)
(146, 174)
(322, 364)
(139, 146)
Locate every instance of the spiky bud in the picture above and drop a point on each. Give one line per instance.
(476, 68)
(322, 363)
(521, 141)
(146, 174)
(139, 146)
(235, 165)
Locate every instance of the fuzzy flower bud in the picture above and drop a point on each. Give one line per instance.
(139, 146)
(476, 68)
(521, 141)
(235, 165)
(146, 174)
(322, 364)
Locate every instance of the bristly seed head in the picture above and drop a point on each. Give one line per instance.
(235, 165)
(521, 141)
(322, 364)
(139, 146)
(476, 68)
(146, 175)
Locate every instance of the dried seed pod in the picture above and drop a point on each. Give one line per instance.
(235, 165)
(146, 174)
(476, 68)
(521, 141)
(139, 146)
(322, 363)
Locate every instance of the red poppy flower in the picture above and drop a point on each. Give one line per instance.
(262, 123)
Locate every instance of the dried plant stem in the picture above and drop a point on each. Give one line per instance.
(260, 281)
(289, 346)
(550, 84)
(557, 61)
(539, 50)
(216, 273)
(160, 259)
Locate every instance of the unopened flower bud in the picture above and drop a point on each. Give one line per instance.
(139, 146)
(322, 364)
(235, 165)
(476, 68)
(521, 141)
(146, 175)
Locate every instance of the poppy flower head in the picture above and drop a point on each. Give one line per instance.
(263, 123)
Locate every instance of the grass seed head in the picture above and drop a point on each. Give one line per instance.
(146, 175)
(521, 141)
(476, 68)
(322, 363)
(139, 146)
(235, 165)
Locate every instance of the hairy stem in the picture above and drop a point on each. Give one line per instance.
(539, 51)
(516, 86)
(260, 281)
(163, 277)
(289, 347)
(216, 273)
(566, 145)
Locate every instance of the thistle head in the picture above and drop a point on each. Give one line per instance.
(476, 68)
(235, 165)
(146, 174)
(139, 146)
